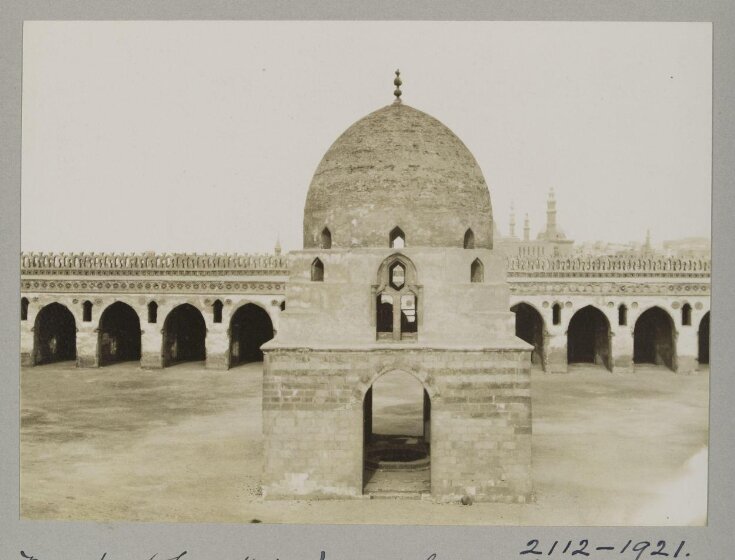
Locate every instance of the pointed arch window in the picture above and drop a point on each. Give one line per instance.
(87, 311)
(217, 311)
(469, 239)
(477, 271)
(622, 315)
(24, 309)
(326, 239)
(397, 238)
(152, 312)
(397, 311)
(317, 271)
(686, 315)
(283, 305)
(556, 314)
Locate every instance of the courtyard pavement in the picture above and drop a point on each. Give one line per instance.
(184, 444)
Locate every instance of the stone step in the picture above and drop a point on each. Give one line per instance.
(396, 495)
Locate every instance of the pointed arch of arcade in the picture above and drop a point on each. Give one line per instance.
(118, 338)
(184, 335)
(588, 338)
(654, 338)
(531, 328)
(54, 335)
(703, 339)
(250, 327)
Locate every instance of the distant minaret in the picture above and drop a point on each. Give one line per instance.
(526, 229)
(647, 246)
(278, 245)
(512, 220)
(551, 215)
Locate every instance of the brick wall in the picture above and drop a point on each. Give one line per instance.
(480, 420)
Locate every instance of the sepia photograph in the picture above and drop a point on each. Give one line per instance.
(401, 273)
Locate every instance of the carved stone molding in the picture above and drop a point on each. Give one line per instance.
(149, 286)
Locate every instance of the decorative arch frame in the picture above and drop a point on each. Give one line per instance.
(366, 382)
(409, 287)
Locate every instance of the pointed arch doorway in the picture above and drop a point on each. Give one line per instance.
(397, 437)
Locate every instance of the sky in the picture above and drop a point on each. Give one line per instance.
(204, 136)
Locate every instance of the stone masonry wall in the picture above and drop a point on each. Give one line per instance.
(480, 420)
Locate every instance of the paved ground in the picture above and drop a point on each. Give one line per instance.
(184, 444)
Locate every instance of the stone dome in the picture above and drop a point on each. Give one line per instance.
(398, 167)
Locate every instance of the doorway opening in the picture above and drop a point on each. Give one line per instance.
(184, 333)
(588, 338)
(703, 339)
(530, 327)
(396, 430)
(250, 328)
(55, 335)
(653, 339)
(119, 334)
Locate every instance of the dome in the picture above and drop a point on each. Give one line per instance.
(398, 168)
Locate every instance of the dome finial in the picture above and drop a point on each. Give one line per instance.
(397, 82)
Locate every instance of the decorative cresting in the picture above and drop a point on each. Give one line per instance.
(101, 264)
(400, 166)
(609, 266)
(152, 263)
(594, 287)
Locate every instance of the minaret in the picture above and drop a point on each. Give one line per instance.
(526, 229)
(647, 246)
(551, 215)
(278, 245)
(512, 220)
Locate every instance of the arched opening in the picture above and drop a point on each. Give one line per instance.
(477, 271)
(283, 305)
(24, 309)
(152, 312)
(397, 299)
(384, 316)
(622, 315)
(184, 333)
(703, 340)
(250, 328)
(119, 334)
(55, 335)
(686, 315)
(588, 338)
(317, 271)
(469, 239)
(530, 327)
(653, 339)
(396, 429)
(556, 314)
(409, 321)
(87, 311)
(326, 239)
(217, 311)
(397, 238)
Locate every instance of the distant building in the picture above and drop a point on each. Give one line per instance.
(552, 242)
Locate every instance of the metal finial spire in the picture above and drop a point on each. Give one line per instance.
(397, 82)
